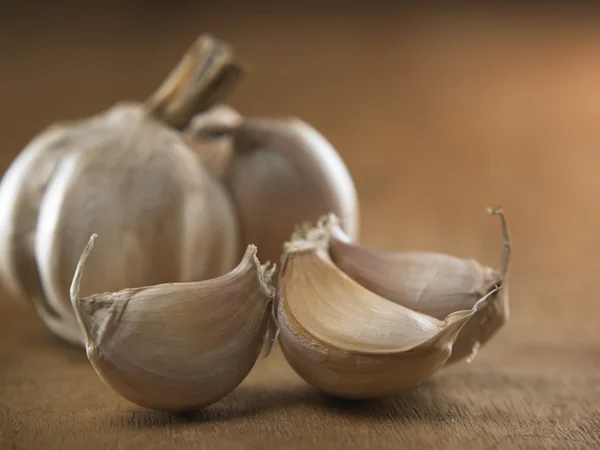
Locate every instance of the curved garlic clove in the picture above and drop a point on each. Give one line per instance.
(431, 283)
(348, 341)
(283, 173)
(178, 346)
(164, 217)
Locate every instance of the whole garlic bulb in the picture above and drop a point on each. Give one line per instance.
(129, 176)
(280, 173)
(349, 340)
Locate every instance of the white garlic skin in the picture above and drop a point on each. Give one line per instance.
(127, 177)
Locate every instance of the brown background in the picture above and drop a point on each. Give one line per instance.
(438, 113)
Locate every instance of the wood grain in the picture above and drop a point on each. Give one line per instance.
(438, 114)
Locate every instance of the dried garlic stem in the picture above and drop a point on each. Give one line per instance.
(207, 73)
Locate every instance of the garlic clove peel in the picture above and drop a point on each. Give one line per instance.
(431, 283)
(283, 173)
(346, 340)
(177, 346)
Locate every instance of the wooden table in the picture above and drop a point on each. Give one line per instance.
(438, 114)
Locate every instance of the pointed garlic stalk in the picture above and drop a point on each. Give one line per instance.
(129, 175)
(280, 173)
(208, 72)
(178, 346)
(348, 341)
(432, 283)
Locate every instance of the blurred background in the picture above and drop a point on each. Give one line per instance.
(438, 111)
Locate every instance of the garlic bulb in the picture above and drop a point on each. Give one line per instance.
(348, 341)
(128, 175)
(281, 173)
(178, 346)
(432, 283)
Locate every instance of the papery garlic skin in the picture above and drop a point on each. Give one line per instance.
(283, 173)
(206, 73)
(431, 283)
(349, 342)
(178, 346)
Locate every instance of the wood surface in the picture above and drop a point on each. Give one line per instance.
(438, 114)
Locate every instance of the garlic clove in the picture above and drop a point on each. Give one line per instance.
(163, 216)
(177, 346)
(431, 283)
(283, 173)
(209, 134)
(346, 340)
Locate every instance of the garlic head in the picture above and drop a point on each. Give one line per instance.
(129, 174)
